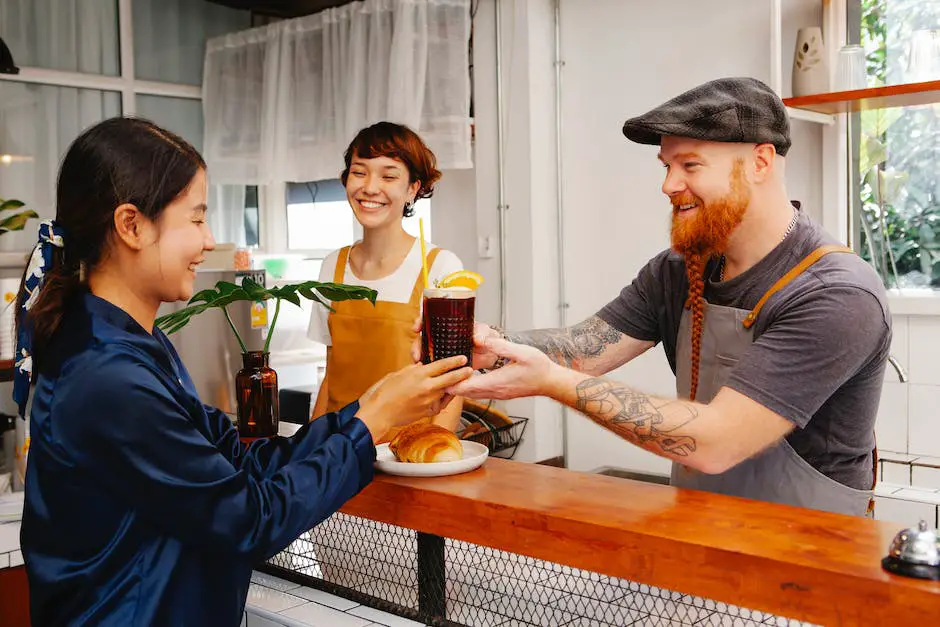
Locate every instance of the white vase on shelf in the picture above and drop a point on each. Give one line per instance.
(810, 67)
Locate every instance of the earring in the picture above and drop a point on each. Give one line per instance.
(409, 209)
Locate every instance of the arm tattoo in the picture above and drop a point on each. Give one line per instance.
(636, 416)
(572, 346)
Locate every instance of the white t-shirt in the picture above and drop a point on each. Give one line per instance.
(395, 288)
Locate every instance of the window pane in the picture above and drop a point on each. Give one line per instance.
(37, 125)
(69, 36)
(319, 218)
(319, 226)
(183, 116)
(170, 37)
(895, 155)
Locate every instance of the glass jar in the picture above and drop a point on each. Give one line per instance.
(257, 396)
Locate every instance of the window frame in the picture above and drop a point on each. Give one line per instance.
(839, 219)
(125, 83)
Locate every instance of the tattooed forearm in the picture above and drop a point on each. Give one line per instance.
(572, 346)
(638, 417)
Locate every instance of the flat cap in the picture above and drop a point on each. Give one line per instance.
(740, 110)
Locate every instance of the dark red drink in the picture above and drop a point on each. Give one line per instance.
(448, 324)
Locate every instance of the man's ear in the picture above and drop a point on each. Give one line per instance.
(765, 156)
(130, 226)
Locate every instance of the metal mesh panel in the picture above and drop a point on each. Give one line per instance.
(447, 582)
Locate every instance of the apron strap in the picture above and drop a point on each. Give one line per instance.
(794, 272)
(340, 272)
(418, 290)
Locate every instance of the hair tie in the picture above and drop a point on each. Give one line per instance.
(51, 236)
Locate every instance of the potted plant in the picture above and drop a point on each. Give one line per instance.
(17, 221)
(256, 383)
(14, 222)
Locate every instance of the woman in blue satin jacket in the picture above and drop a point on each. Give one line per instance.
(142, 506)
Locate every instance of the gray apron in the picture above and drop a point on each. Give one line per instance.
(778, 474)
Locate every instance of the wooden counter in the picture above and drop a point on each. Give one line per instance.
(803, 564)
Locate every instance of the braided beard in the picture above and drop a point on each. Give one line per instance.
(701, 237)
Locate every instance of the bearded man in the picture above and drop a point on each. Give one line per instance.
(778, 336)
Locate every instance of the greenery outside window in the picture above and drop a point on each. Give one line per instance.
(895, 169)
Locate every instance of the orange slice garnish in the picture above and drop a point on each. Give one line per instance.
(461, 278)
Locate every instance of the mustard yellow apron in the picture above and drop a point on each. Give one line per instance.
(369, 341)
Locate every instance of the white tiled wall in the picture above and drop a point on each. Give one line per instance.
(891, 428)
(909, 415)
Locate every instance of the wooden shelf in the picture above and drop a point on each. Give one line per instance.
(905, 95)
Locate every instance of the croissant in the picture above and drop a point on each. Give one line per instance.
(424, 443)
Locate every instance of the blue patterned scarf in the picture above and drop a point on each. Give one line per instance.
(51, 235)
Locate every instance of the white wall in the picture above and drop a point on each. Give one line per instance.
(907, 418)
(529, 158)
(621, 59)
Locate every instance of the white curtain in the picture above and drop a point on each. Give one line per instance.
(226, 213)
(282, 102)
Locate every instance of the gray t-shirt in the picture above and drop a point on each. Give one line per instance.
(820, 344)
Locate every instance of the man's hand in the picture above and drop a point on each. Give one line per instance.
(528, 373)
(483, 357)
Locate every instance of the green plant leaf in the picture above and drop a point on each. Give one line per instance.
(891, 185)
(6, 205)
(339, 292)
(876, 122)
(311, 295)
(255, 291)
(292, 298)
(871, 152)
(203, 296)
(224, 287)
(17, 221)
(225, 293)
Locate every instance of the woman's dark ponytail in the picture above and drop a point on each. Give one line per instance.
(60, 285)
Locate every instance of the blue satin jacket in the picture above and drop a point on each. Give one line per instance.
(142, 506)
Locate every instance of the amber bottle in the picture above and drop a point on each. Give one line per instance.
(256, 392)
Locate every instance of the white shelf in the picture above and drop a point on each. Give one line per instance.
(811, 116)
(14, 260)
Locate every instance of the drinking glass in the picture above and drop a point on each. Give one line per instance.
(850, 70)
(448, 323)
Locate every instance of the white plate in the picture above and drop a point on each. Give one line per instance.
(474, 454)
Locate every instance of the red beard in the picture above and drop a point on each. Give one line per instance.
(700, 237)
(707, 233)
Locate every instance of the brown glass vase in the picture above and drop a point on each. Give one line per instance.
(256, 392)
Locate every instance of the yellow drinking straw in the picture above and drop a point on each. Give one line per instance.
(424, 255)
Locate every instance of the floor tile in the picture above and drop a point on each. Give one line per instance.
(325, 598)
(272, 600)
(383, 618)
(317, 615)
(270, 581)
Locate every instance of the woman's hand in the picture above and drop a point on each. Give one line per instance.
(414, 392)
